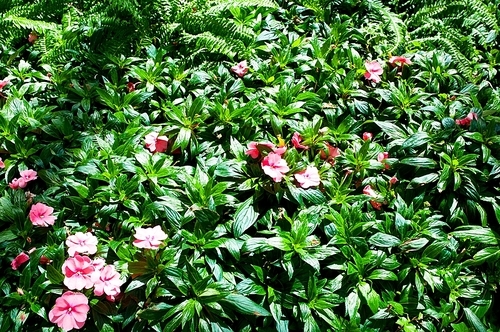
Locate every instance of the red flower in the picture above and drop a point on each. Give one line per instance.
(19, 260)
(465, 122)
(373, 194)
(367, 136)
(32, 37)
(333, 152)
(382, 156)
(156, 143)
(131, 86)
(296, 141)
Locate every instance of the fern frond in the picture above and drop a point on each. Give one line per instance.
(222, 5)
(26, 23)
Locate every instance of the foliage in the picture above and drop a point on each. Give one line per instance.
(399, 234)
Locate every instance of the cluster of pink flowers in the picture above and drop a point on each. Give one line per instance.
(374, 69)
(82, 272)
(465, 122)
(149, 238)
(240, 69)
(156, 143)
(22, 181)
(273, 164)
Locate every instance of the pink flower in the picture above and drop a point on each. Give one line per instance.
(393, 180)
(308, 177)
(19, 260)
(28, 175)
(333, 152)
(83, 243)
(98, 263)
(3, 83)
(107, 281)
(156, 143)
(382, 156)
(296, 141)
(367, 136)
(372, 193)
(41, 215)
(77, 272)
(280, 150)
(18, 183)
(274, 166)
(399, 61)
(253, 148)
(465, 122)
(240, 69)
(373, 71)
(2, 165)
(32, 37)
(149, 238)
(70, 311)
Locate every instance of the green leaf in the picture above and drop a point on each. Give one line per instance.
(474, 320)
(476, 234)
(7, 235)
(380, 274)
(419, 162)
(244, 217)
(384, 240)
(244, 305)
(415, 140)
(54, 275)
(352, 304)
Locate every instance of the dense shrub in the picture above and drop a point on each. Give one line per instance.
(239, 166)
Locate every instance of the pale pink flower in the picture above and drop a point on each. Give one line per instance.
(382, 156)
(333, 152)
(465, 122)
(18, 183)
(296, 141)
(373, 71)
(19, 260)
(83, 243)
(2, 165)
(28, 175)
(308, 177)
(156, 143)
(3, 83)
(368, 190)
(240, 69)
(253, 150)
(77, 272)
(98, 263)
(274, 166)
(149, 238)
(41, 215)
(280, 150)
(367, 136)
(70, 311)
(399, 61)
(107, 281)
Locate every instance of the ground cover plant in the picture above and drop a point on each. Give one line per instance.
(306, 165)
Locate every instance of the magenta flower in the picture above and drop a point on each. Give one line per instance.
(240, 69)
(149, 238)
(41, 215)
(465, 122)
(373, 71)
(19, 260)
(156, 143)
(274, 166)
(2, 165)
(373, 194)
(308, 177)
(107, 281)
(296, 141)
(70, 311)
(83, 243)
(367, 136)
(253, 150)
(77, 272)
(399, 61)
(28, 175)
